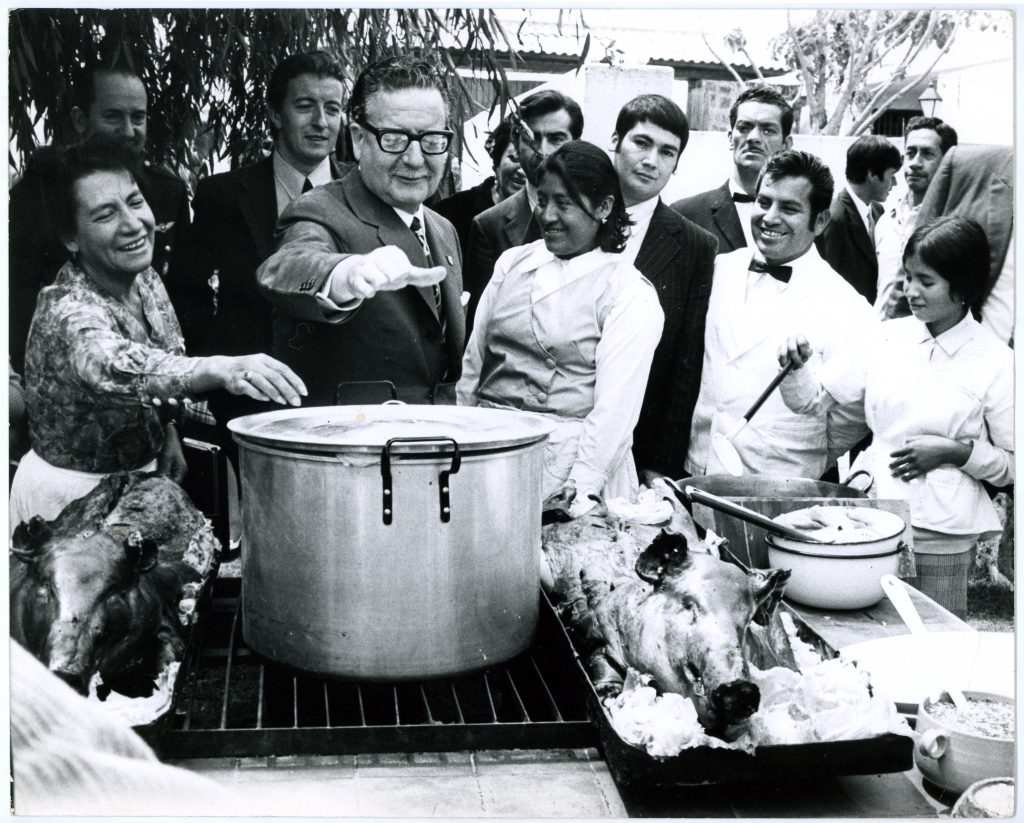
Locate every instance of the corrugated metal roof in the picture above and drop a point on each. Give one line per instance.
(627, 44)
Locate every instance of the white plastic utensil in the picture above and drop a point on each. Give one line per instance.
(725, 451)
(900, 599)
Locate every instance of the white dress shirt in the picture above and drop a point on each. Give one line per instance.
(863, 209)
(958, 385)
(744, 210)
(641, 215)
(288, 180)
(892, 231)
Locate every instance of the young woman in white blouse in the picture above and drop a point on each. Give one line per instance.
(937, 392)
(567, 328)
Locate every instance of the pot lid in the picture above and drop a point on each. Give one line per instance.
(370, 427)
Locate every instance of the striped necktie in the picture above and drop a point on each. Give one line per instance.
(417, 229)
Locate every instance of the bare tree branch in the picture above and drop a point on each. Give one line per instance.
(719, 58)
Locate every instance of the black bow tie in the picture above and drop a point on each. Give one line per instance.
(782, 273)
(738, 197)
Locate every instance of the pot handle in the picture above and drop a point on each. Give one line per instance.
(861, 480)
(932, 744)
(442, 479)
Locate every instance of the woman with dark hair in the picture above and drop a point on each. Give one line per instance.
(105, 359)
(937, 392)
(567, 328)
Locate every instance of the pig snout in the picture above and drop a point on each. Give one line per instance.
(736, 700)
(68, 659)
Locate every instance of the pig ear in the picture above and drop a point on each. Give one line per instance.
(667, 555)
(142, 553)
(29, 537)
(768, 590)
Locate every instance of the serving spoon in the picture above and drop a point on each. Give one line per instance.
(725, 451)
(900, 599)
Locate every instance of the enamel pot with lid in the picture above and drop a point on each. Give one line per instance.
(390, 542)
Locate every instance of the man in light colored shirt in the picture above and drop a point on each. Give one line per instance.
(847, 244)
(677, 257)
(760, 122)
(925, 141)
(756, 301)
(366, 281)
(213, 282)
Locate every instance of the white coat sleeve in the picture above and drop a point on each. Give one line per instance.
(623, 361)
(993, 459)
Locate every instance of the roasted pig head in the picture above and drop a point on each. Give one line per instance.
(98, 589)
(683, 620)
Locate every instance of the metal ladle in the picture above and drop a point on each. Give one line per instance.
(725, 451)
(900, 599)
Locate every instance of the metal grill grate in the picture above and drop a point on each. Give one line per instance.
(233, 703)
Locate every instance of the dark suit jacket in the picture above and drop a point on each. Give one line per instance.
(36, 253)
(463, 206)
(848, 248)
(495, 231)
(232, 233)
(678, 257)
(396, 335)
(715, 212)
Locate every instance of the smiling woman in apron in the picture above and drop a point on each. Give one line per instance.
(567, 328)
(937, 392)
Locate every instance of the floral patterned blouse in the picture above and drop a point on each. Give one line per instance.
(92, 370)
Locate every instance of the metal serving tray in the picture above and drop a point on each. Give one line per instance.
(632, 767)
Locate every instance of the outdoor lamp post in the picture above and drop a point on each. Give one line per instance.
(929, 99)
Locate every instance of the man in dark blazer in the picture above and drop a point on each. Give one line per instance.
(760, 122)
(110, 107)
(678, 258)
(545, 121)
(366, 281)
(213, 278)
(848, 242)
(508, 178)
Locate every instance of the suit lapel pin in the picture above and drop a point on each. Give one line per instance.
(451, 262)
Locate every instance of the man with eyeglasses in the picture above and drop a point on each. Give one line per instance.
(366, 281)
(543, 122)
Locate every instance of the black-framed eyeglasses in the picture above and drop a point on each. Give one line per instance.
(396, 141)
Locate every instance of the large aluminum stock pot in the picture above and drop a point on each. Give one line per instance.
(390, 542)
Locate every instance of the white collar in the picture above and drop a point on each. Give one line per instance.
(863, 209)
(735, 187)
(407, 218)
(802, 266)
(643, 211)
(292, 180)
(951, 340)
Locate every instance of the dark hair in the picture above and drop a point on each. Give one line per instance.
(769, 96)
(586, 171)
(947, 134)
(393, 73)
(793, 163)
(957, 248)
(656, 109)
(85, 88)
(549, 101)
(317, 63)
(58, 169)
(498, 141)
(871, 153)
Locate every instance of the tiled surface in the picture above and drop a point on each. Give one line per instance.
(557, 783)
